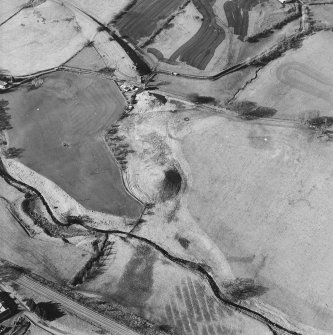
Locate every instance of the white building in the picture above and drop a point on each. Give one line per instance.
(3, 85)
(4, 311)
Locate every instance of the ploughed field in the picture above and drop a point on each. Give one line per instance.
(221, 37)
(209, 36)
(142, 18)
(60, 127)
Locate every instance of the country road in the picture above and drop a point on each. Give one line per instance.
(71, 306)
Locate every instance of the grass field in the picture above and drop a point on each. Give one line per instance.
(237, 15)
(89, 59)
(103, 10)
(144, 17)
(60, 127)
(199, 50)
(47, 36)
(322, 14)
(219, 39)
(51, 259)
(254, 204)
(183, 27)
(9, 8)
(143, 280)
(298, 82)
(262, 193)
(220, 90)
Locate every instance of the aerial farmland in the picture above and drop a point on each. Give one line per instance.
(165, 167)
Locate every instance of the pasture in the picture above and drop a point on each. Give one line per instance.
(322, 15)
(103, 10)
(254, 206)
(299, 82)
(262, 192)
(9, 8)
(216, 38)
(199, 50)
(148, 284)
(60, 127)
(144, 17)
(221, 90)
(47, 36)
(182, 28)
(52, 258)
(88, 58)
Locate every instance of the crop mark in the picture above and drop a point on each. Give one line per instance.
(204, 330)
(228, 304)
(211, 307)
(237, 13)
(211, 329)
(169, 314)
(201, 295)
(186, 322)
(189, 307)
(177, 316)
(194, 299)
(288, 75)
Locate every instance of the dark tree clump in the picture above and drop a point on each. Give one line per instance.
(4, 116)
(171, 184)
(245, 288)
(320, 122)
(161, 98)
(107, 70)
(200, 99)
(13, 152)
(48, 311)
(249, 110)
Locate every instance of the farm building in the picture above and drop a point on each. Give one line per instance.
(7, 306)
(4, 311)
(3, 85)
